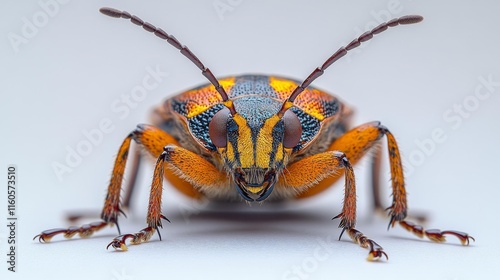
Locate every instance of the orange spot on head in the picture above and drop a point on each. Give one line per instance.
(201, 99)
(283, 87)
(311, 101)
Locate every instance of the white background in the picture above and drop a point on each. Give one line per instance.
(65, 77)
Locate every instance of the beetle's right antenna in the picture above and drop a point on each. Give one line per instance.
(343, 51)
(174, 42)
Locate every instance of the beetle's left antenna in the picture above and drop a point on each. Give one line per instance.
(343, 51)
(174, 42)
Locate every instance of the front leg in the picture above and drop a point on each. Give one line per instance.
(309, 171)
(188, 166)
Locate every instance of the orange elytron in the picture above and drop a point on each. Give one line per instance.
(256, 138)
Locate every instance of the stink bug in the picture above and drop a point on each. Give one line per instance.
(256, 138)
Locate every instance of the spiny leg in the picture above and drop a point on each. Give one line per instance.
(187, 165)
(308, 171)
(397, 211)
(376, 157)
(154, 216)
(356, 143)
(153, 140)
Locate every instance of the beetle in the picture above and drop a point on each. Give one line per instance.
(256, 138)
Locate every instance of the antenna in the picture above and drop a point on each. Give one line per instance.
(174, 42)
(410, 19)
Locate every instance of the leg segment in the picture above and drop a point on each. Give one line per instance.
(83, 231)
(376, 251)
(398, 209)
(436, 235)
(376, 164)
(111, 208)
(355, 144)
(153, 140)
(154, 212)
(187, 165)
(132, 179)
(313, 169)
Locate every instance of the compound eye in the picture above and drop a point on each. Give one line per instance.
(293, 129)
(217, 129)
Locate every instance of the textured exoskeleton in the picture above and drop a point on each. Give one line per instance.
(256, 137)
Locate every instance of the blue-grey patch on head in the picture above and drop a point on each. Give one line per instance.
(199, 126)
(180, 107)
(252, 84)
(310, 127)
(331, 108)
(256, 110)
